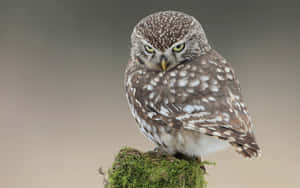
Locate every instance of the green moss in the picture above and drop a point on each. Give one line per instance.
(133, 169)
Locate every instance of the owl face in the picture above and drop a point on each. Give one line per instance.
(164, 40)
(156, 59)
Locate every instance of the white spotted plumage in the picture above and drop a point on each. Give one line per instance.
(194, 107)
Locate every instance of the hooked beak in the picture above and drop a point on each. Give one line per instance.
(164, 64)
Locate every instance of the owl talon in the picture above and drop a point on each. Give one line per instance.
(158, 150)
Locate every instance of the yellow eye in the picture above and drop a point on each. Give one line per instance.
(149, 49)
(179, 47)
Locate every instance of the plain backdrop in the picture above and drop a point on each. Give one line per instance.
(63, 111)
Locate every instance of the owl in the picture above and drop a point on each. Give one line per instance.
(184, 96)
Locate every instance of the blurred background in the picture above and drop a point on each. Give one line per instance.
(63, 111)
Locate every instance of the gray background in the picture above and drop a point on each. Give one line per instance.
(63, 111)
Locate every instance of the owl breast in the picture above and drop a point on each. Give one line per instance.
(186, 89)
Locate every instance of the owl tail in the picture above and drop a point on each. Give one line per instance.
(247, 146)
(244, 143)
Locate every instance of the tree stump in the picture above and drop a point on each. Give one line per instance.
(134, 169)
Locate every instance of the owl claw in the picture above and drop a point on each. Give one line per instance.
(158, 150)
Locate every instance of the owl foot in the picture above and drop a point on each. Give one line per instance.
(158, 151)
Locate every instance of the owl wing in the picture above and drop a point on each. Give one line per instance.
(219, 110)
(215, 106)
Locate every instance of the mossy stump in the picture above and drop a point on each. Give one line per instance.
(134, 169)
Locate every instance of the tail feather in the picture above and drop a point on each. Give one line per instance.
(244, 143)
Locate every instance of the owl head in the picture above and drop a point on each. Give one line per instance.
(163, 40)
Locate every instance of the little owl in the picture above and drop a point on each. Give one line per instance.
(183, 94)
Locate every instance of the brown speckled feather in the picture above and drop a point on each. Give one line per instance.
(195, 107)
(215, 101)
